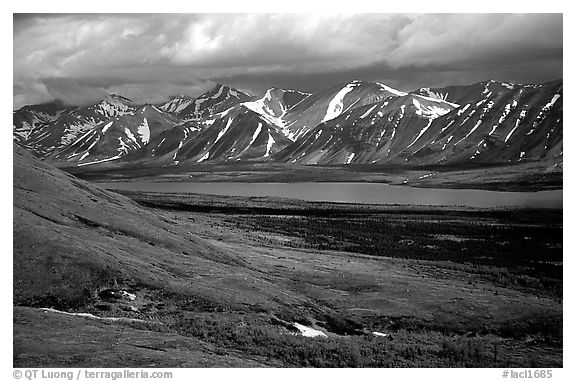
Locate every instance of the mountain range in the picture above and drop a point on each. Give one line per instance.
(356, 122)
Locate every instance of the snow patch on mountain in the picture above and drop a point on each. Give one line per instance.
(336, 105)
(350, 157)
(368, 112)
(421, 133)
(255, 135)
(206, 156)
(269, 145)
(518, 121)
(130, 135)
(429, 111)
(391, 90)
(100, 161)
(107, 126)
(123, 147)
(309, 332)
(218, 93)
(144, 131)
(261, 107)
(463, 109)
(222, 132)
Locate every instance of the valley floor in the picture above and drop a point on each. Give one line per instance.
(443, 287)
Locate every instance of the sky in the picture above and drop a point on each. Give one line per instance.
(79, 58)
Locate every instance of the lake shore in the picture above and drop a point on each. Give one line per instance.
(520, 177)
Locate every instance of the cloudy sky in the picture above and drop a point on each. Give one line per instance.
(148, 57)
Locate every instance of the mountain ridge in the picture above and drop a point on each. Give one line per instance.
(351, 122)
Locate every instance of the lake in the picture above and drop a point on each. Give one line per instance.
(367, 193)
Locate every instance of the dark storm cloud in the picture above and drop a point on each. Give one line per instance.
(151, 56)
(517, 70)
(71, 92)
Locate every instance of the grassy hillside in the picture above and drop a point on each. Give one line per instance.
(211, 288)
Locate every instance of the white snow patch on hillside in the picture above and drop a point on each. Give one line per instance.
(429, 111)
(503, 116)
(309, 332)
(176, 153)
(176, 107)
(554, 99)
(90, 316)
(336, 105)
(197, 104)
(350, 158)
(463, 110)
(93, 143)
(100, 161)
(368, 112)
(206, 156)
(111, 108)
(391, 90)
(72, 131)
(218, 93)
(255, 135)
(447, 142)
(520, 119)
(123, 147)
(130, 135)
(269, 145)
(433, 99)
(221, 133)
(421, 133)
(144, 131)
(260, 107)
(448, 125)
(478, 123)
(106, 127)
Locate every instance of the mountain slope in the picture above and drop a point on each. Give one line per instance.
(177, 103)
(219, 99)
(331, 103)
(275, 105)
(117, 137)
(50, 127)
(367, 134)
(462, 94)
(238, 133)
(354, 122)
(28, 119)
(523, 123)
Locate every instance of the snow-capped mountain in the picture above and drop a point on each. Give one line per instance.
(523, 122)
(331, 103)
(177, 103)
(117, 136)
(238, 133)
(251, 129)
(48, 128)
(463, 94)
(368, 134)
(219, 99)
(351, 123)
(29, 119)
(276, 104)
